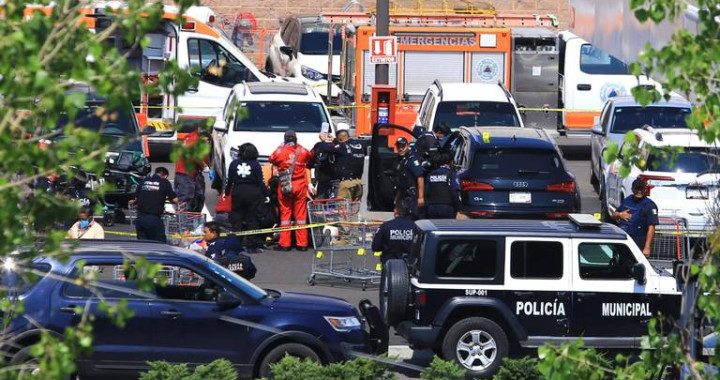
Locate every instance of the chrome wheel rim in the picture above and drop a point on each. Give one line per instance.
(476, 350)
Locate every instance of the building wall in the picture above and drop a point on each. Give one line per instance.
(269, 13)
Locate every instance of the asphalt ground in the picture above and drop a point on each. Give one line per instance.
(290, 271)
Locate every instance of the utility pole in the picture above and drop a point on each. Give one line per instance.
(382, 29)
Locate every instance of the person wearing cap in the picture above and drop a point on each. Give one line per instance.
(638, 216)
(394, 238)
(322, 162)
(348, 165)
(426, 146)
(292, 161)
(409, 180)
(442, 133)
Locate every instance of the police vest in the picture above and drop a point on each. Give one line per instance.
(351, 163)
(439, 187)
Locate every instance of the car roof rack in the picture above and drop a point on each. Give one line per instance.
(584, 221)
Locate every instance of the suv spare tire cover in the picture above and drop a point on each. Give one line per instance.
(394, 291)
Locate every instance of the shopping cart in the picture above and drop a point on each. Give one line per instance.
(671, 241)
(182, 228)
(341, 242)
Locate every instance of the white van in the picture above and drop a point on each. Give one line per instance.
(588, 77)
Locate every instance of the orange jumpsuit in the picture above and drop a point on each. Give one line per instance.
(293, 206)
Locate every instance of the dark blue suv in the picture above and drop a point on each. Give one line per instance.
(199, 312)
(512, 172)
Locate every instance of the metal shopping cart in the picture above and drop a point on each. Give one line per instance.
(671, 242)
(182, 228)
(341, 242)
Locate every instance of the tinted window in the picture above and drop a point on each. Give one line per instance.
(472, 258)
(281, 116)
(215, 64)
(686, 162)
(596, 61)
(502, 162)
(108, 281)
(474, 114)
(536, 259)
(182, 284)
(628, 118)
(314, 39)
(600, 261)
(21, 279)
(116, 122)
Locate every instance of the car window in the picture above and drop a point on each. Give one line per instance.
(215, 64)
(109, 280)
(427, 117)
(602, 261)
(596, 61)
(280, 117)
(628, 118)
(467, 258)
(686, 162)
(314, 39)
(476, 114)
(179, 283)
(97, 119)
(19, 279)
(605, 117)
(504, 162)
(536, 259)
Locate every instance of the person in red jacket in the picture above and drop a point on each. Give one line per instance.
(292, 157)
(190, 185)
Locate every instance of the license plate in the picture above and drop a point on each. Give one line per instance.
(697, 192)
(521, 198)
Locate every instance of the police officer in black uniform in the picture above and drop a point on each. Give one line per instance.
(638, 216)
(227, 251)
(323, 159)
(442, 134)
(150, 198)
(349, 165)
(394, 238)
(442, 196)
(409, 178)
(426, 146)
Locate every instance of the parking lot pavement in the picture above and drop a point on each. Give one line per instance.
(289, 271)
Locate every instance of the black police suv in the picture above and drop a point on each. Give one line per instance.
(196, 312)
(477, 288)
(512, 172)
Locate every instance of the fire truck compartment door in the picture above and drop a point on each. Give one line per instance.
(423, 67)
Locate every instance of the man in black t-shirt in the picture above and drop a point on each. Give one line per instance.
(638, 216)
(150, 198)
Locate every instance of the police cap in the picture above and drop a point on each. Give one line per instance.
(401, 142)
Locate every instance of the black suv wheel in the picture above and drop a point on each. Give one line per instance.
(477, 345)
(394, 290)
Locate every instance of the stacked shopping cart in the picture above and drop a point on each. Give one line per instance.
(342, 243)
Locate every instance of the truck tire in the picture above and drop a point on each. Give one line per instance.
(297, 350)
(394, 290)
(478, 345)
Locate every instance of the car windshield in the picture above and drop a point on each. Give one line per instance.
(240, 283)
(628, 118)
(476, 114)
(280, 116)
(314, 39)
(514, 162)
(699, 161)
(116, 122)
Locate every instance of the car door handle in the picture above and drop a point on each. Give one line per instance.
(580, 296)
(584, 87)
(68, 309)
(171, 313)
(192, 90)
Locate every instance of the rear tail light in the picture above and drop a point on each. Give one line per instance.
(420, 298)
(482, 213)
(469, 184)
(645, 178)
(562, 187)
(556, 215)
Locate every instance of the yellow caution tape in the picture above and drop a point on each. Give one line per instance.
(378, 254)
(361, 252)
(319, 254)
(240, 233)
(597, 216)
(378, 267)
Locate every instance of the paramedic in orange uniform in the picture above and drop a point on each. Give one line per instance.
(292, 201)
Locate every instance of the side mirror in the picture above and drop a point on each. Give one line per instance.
(598, 130)
(220, 126)
(638, 273)
(148, 130)
(288, 50)
(226, 300)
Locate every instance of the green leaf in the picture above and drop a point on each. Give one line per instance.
(641, 15)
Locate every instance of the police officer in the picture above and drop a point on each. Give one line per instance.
(426, 145)
(442, 133)
(323, 158)
(349, 165)
(227, 251)
(409, 180)
(442, 197)
(638, 216)
(150, 198)
(394, 238)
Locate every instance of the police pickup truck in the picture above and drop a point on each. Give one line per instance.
(477, 288)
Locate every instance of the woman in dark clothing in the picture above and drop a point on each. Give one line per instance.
(247, 186)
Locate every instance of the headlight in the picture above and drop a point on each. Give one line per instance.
(311, 73)
(234, 153)
(344, 323)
